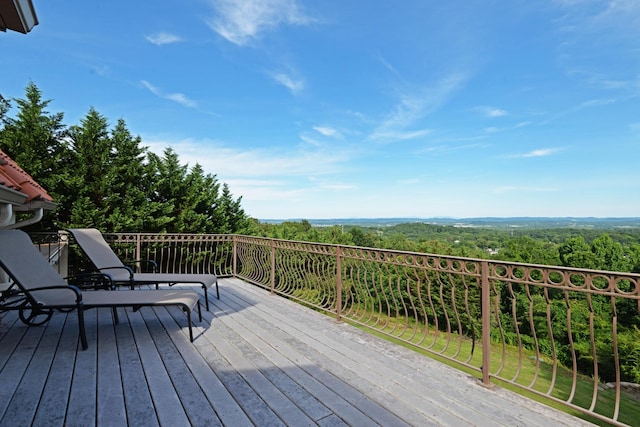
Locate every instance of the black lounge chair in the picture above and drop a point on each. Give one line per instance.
(105, 260)
(38, 289)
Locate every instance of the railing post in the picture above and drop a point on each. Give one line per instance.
(138, 250)
(486, 325)
(339, 284)
(273, 267)
(235, 256)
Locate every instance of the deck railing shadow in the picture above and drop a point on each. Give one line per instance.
(561, 334)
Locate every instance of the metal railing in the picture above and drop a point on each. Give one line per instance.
(568, 335)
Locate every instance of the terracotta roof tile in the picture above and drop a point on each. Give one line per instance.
(14, 177)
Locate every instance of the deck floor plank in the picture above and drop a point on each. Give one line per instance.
(110, 393)
(401, 391)
(195, 403)
(55, 395)
(256, 360)
(26, 398)
(83, 394)
(350, 376)
(195, 356)
(327, 388)
(168, 407)
(137, 398)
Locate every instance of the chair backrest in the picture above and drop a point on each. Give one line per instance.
(28, 268)
(99, 252)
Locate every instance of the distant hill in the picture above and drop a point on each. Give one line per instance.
(485, 222)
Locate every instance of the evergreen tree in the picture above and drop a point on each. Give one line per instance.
(92, 166)
(127, 205)
(234, 219)
(35, 139)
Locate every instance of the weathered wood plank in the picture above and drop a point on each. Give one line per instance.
(226, 407)
(303, 389)
(195, 404)
(22, 408)
(55, 396)
(82, 399)
(110, 396)
(17, 364)
(297, 347)
(138, 402)
(167, 403)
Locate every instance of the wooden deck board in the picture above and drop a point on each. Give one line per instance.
(257, 360)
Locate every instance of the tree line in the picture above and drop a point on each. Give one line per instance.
(103, 177)
(601, 249)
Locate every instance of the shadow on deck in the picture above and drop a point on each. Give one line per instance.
(256, 360)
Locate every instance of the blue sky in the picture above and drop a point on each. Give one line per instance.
(362, 108)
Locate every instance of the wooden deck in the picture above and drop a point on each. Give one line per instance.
(256, 360)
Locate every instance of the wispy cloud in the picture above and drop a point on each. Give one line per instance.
(176, 97)
(399, 135)
(294, 85)
(591, 103)
(242, 21)
(490, 112)
(542, 152)
(163, 38)
(414, 104)
(601, 40)
(494, 129)
(229, 162)
(327, 131)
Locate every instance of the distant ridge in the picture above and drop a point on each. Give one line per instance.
(491, 222)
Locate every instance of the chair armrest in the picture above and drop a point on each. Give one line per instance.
(72, 288)
(154, 265)
(119, 267)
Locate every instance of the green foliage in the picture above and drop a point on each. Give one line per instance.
(104, 178)
(36, 140)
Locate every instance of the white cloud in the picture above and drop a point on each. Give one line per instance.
(415, 103)
(163, 38)
(542, 152)
(326, 131)
(176, 97)
(294, 85)
(398, 135)
(490, 112)
(242, 21)
(230, 163)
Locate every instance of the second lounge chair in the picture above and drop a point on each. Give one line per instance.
(105, 260)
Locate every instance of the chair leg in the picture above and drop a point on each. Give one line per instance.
(83, 332)
(189, 322)
(206, 296)
(217, 290)
(199, 312)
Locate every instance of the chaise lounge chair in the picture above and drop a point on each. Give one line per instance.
(41, 289)
(105, 260)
